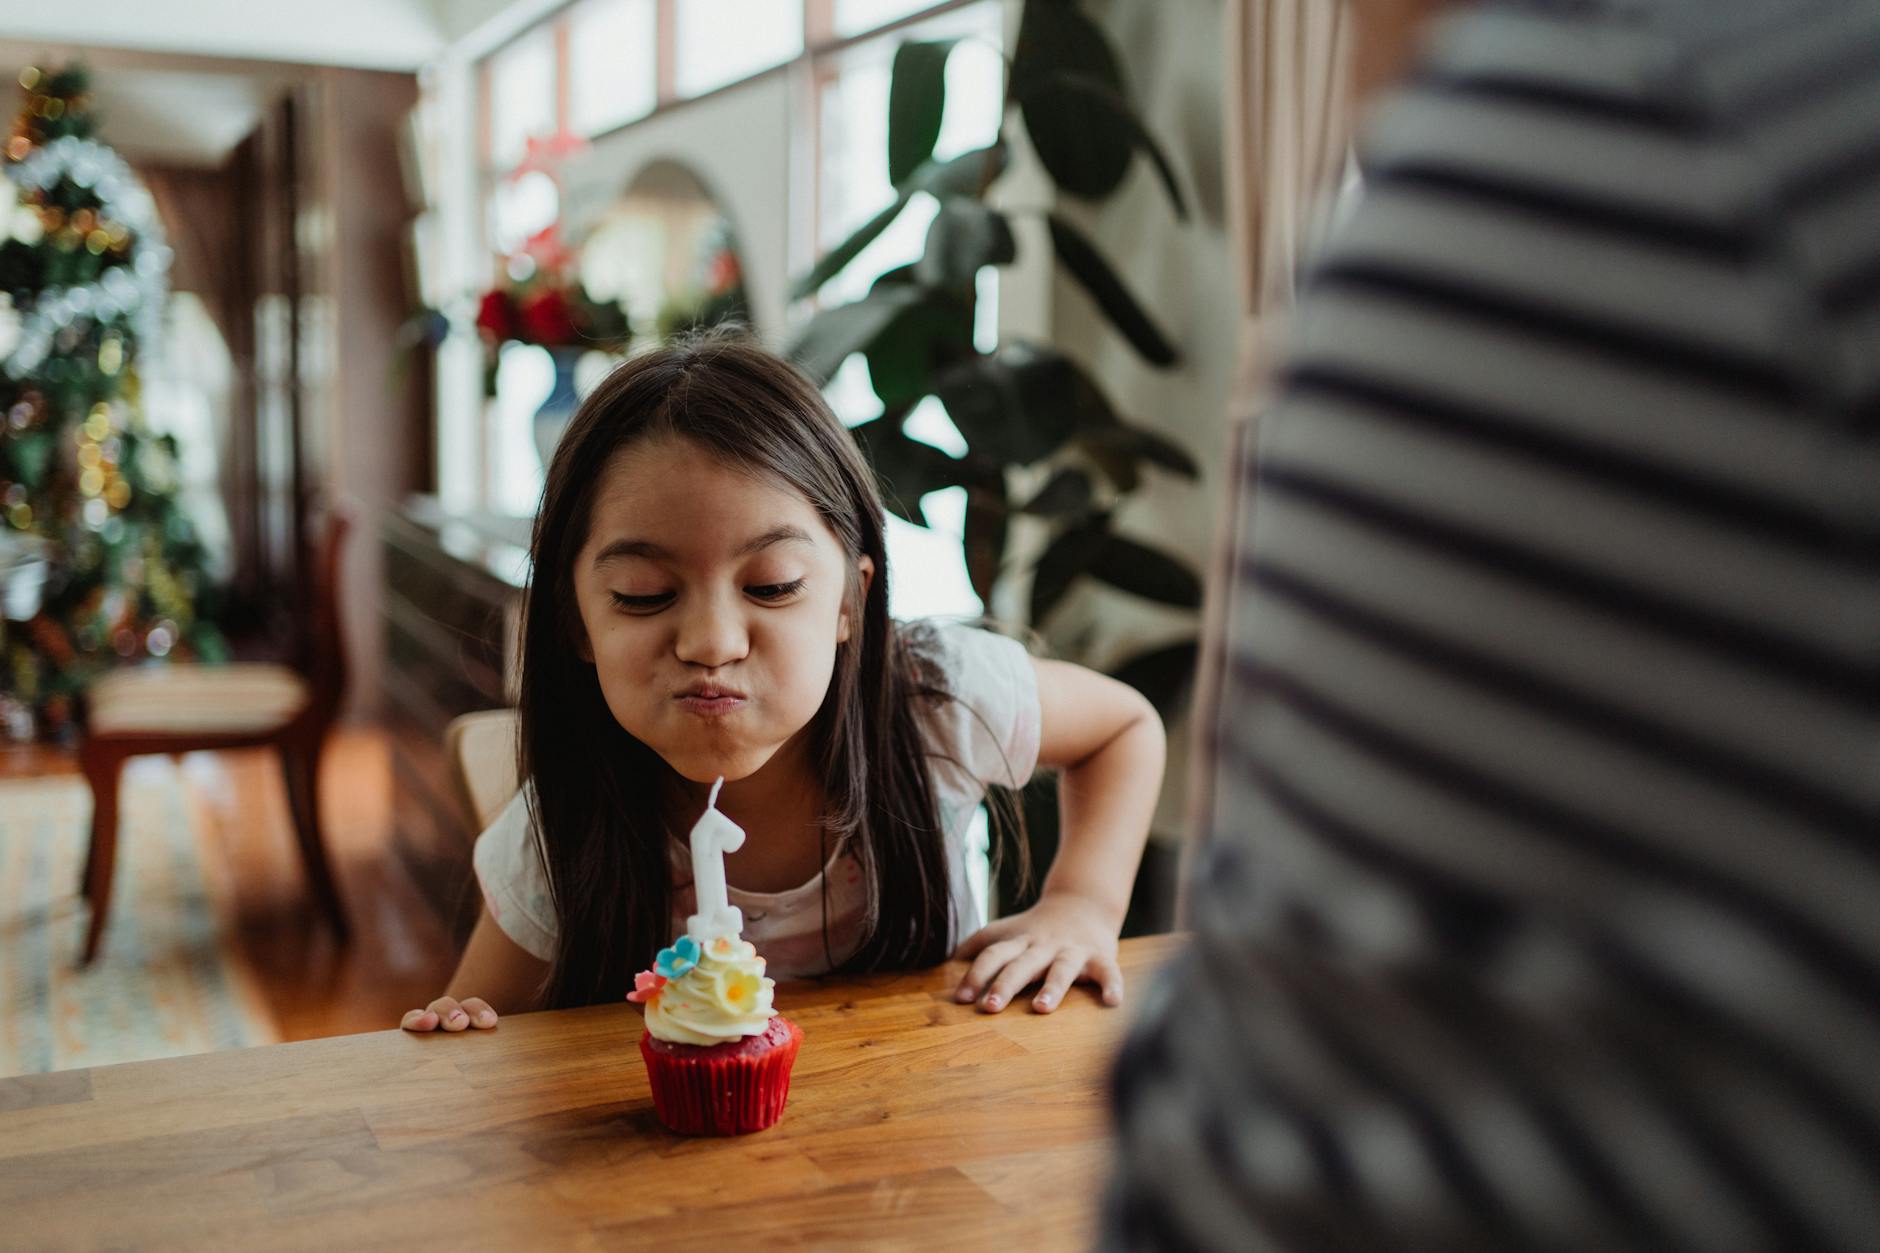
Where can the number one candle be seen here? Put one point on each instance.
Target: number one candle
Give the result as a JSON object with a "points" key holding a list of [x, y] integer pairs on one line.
{"points": [[713, 835]]}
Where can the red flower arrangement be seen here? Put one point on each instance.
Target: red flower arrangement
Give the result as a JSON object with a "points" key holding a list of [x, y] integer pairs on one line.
{"points": [[549, 308]]}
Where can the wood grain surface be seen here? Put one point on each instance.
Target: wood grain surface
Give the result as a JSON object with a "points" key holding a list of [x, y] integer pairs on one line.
{"points": [[913, 1122]]}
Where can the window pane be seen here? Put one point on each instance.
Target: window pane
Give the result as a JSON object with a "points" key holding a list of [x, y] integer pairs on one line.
{"points": [[855, 16], [613, 54], [522, 96], [721, 41]]}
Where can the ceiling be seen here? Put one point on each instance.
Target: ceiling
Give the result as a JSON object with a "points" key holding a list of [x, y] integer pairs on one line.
{"points": [[182, 81], [369, 34]]}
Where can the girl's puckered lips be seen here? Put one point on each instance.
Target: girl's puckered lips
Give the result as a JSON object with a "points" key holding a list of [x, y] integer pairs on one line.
{"points": [[710, 699]]}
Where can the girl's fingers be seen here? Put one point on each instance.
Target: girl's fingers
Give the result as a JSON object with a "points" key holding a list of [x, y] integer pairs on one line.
{"points": [[1018, 972], [976, 943], [1108, 977], [1064, 972], [419, 1020], [449, 1013], [481, 1015], [987, 964]]}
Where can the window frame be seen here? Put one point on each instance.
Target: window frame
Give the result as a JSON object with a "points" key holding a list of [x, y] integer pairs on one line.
{"points": [[820, 42]]}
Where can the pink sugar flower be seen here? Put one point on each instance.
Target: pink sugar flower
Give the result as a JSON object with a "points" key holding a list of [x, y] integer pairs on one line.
{"points": [[646, 986]]}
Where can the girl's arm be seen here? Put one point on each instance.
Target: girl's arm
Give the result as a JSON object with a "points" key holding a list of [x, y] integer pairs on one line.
{"points": [[1109, 742], [498, 970]]}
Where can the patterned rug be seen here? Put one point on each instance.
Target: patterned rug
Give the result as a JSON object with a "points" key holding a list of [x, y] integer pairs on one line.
{"points": [[165, 983]]}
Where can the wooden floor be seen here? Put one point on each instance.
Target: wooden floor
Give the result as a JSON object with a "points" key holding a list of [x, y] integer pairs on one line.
{"points": [[399, 956]]}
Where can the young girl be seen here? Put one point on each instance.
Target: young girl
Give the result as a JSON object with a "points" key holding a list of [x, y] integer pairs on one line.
{"points": [[710, 597]]}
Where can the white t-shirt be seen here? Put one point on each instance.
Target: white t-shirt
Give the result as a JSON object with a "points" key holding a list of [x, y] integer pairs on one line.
{"points": [[989, 731]]}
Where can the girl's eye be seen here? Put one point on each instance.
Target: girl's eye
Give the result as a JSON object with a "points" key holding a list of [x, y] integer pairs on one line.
{"points": [[775, 591], [641, 604]]}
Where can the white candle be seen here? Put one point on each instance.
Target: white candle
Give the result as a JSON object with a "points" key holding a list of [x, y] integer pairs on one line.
{"points": [[713, 835]]}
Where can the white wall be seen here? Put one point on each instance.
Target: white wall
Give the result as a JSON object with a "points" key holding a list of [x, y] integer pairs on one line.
{"points": [[738, 143], [367, 454], [1172, 62]]}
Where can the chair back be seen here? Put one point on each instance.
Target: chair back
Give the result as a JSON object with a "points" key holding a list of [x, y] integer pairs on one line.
{"points": [[482, 750]]}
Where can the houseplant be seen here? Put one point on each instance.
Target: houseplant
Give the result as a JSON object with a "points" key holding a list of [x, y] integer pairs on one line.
{"points": [[1043, 440], [1029, 412]]}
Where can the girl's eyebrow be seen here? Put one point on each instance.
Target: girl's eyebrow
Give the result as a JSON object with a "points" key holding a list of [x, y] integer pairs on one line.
{"points": [[786, 534]]}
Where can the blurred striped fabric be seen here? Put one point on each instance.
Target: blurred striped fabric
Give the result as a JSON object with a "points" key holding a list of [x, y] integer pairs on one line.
{"points": [[1541, 908]]}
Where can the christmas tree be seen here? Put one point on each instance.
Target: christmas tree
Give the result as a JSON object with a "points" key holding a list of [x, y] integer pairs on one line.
{"points": [[83, 265]]}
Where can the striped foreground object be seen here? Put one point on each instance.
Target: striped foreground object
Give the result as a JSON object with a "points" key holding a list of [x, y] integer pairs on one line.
{"points": [[1541, 908]]}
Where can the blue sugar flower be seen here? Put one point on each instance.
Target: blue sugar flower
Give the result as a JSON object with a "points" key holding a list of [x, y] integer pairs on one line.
{"points": [[681, 957]]}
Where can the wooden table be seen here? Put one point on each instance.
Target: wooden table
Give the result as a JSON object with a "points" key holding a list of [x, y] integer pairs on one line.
{"points": [[913, 1122]]}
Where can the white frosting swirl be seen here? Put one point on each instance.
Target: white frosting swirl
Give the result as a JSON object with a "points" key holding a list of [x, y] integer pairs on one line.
{"points": [[725, 997]]}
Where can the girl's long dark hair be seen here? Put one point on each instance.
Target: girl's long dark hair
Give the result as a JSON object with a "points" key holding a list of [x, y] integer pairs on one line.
{"points": [[597, 811]]}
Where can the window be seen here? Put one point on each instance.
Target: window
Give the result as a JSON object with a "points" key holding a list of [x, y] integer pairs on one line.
{"points": [[595, 66], [852, 110], [720, 41], [853, 186], [522, 96], [613, 63]]}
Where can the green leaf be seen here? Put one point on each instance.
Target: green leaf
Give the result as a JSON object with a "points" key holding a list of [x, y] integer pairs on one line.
{"points": [[925, 338], [832, 335], [968, 174], [1105, 109], [1094, 274], [988, 519], [1164, 675], [1055, 39], [1140, 445], [1017, 406], [838, 257], [906, 469], [1066, 557], [1145, 572], [917, 95], [1069, 491], [965, 236]]}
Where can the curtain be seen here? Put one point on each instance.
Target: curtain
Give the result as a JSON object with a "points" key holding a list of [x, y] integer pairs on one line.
{"points": [[1287, 131]]}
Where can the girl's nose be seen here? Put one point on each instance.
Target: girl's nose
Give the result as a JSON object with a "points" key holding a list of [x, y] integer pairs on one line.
{"points": [[712, 634]]}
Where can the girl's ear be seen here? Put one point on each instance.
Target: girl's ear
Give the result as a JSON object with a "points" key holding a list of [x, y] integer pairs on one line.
{"points": [[866, 565]]}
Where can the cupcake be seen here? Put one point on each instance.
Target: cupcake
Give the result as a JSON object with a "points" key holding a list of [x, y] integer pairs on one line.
{"points": [[717, 1053]]}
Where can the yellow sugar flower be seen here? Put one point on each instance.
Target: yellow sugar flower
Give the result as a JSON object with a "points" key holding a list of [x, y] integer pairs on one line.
{"points": [[737, 991]]}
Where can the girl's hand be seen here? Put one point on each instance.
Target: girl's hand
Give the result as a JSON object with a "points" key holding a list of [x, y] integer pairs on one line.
{"points": [[1064, 937], [451, 1015]]}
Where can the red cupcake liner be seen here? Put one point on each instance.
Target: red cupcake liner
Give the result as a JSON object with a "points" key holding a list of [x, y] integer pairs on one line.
{"points": [[722, 1089]]}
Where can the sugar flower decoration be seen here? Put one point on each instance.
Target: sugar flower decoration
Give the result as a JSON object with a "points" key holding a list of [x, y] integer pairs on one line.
{"points": [[646, 986], [737, 991], [681, 957]]}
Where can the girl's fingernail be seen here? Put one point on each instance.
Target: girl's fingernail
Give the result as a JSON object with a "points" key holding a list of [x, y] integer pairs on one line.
{"points": [[1043, 1002], [485, 1018], [992, 1002], [457, 1015], [963, 995]]}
